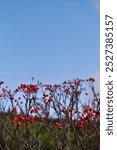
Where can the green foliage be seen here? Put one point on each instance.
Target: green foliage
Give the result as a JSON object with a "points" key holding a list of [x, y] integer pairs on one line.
{"points": [[39, 137]]}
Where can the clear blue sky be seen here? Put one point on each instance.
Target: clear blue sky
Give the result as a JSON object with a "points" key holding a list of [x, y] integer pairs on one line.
{"points": [[51, 40]]}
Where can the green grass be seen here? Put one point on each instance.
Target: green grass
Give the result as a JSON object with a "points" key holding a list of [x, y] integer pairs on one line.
{"points": [[40, 138]]}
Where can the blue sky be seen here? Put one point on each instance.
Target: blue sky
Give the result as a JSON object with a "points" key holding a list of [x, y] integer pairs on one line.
{"points": [[50, 40]]}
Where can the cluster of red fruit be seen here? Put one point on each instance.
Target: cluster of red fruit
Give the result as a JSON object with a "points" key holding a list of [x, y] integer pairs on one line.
{"points": [[90, 79], [88, 113], [20, 119], [1, 82], [31, 88]]}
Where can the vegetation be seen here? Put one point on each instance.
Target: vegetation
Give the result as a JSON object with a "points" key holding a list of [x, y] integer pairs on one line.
{"points": [[50, 117]]}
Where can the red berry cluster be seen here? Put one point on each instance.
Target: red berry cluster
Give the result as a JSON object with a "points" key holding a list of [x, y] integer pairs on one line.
{"points": [[31, 88], [18, 120], [58, 125], [91, 79], [1, 82], [88, 114]]}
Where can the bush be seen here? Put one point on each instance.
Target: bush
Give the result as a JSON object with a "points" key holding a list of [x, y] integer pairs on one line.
{"points": [[50, 117]]}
